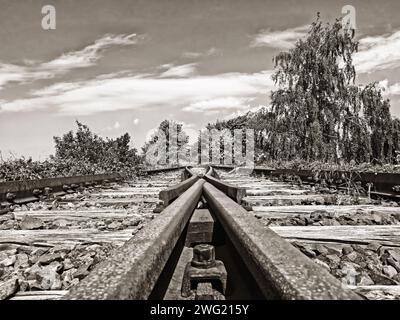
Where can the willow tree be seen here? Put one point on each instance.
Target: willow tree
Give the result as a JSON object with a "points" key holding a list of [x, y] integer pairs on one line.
{"points": [[318, 112], [314, 79]]}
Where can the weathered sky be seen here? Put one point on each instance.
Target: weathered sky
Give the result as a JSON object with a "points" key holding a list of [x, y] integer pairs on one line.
{"points": [[124, 66]]}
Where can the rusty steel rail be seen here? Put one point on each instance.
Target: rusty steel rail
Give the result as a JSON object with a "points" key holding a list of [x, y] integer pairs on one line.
{"points": [[168, 195], [132, 271], [158, 170], [234, 192], [187, 173], [256, 169], [281, 271], [21, 189]]}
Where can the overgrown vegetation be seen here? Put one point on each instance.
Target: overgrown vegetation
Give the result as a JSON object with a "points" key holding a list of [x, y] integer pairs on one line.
{"points": [[77, 153], [318, 114]]}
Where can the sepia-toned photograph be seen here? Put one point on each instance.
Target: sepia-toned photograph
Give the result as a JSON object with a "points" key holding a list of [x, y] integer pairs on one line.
{"points": [[199, 156]]}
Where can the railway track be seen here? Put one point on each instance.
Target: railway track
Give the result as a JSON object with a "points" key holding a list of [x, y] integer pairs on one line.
{"points": [[48, 243], [204, 245], [216, 235]]}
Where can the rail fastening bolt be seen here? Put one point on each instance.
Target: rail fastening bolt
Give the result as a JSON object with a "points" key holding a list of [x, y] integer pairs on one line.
{"points": [[203, 256]]}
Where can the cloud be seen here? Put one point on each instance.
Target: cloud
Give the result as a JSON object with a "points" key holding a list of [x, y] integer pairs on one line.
{"points": [[378, 53], [210, 52], [395, 89], [55, 89], [10, 73], [279, 39], [90, 54], [133, 92], [388, 90], [86, 57], [179, 71], [113, 127], [218, 104], [191, 54], [116, 125], [213, 51]]}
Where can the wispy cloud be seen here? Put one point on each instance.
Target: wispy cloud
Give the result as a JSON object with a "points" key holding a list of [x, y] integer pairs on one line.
{"points": [[210, 52], [280, 39], [395, 89], [90, 54], [117, 125], [10, 73], [229, 90], [111, 128], [378, 53], [191, 54], [179, 71], [389, 90], [86, 57], [213, 51], [218, 104]]}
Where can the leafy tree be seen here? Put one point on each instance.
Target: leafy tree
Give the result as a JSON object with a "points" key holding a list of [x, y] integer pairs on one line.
{"points": [[314, 79], [154, 146]]}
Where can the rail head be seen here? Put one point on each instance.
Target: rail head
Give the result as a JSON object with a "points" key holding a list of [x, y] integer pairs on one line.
{"points": [[132, 270], [210, 171], [280, 269], [170, 194], [234, 192], [165, 169], [187, 173]]}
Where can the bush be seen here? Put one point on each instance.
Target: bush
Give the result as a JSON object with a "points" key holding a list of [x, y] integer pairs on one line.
{"points": [[79, 153], [86, 153]]}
